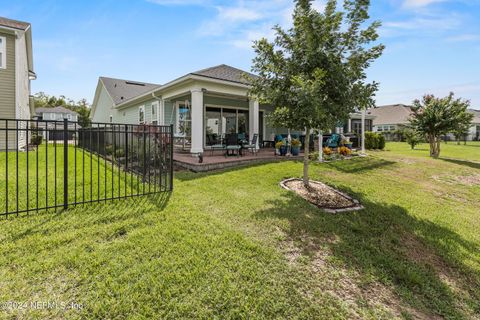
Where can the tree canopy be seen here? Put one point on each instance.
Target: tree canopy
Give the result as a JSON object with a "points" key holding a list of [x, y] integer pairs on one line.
{"points": [[434, 117], [315, 72]]}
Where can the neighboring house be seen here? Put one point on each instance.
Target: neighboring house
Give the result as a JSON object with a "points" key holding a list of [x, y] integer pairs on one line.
{"points": [[201, 105], [475, 128], [16, 71], [354, 124], [52, 116], [390, 118]]}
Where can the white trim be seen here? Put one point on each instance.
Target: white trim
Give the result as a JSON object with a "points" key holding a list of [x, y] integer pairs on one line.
{"points": [[154, 111], [3, 50], [142, 109]]}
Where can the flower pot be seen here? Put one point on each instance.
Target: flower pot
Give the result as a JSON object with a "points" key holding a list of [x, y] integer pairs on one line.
{"points": [[295, 151], [283, 150]]}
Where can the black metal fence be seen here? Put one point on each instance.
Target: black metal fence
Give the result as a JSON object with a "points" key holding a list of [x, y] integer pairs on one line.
{"points": [[105, 161]]}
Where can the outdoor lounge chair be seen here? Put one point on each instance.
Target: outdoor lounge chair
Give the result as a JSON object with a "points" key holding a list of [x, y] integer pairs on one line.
{"points": [[253, 145], [232, 147], [333, 141]]}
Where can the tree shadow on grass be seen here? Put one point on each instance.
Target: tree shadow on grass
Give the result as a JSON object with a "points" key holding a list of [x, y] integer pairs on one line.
{"points": [[471, 164], [90, 214], [359, 165], [409, 255]]}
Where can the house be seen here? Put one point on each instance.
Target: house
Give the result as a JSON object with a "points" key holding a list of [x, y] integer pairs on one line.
{"points": [[390, 118], [201, 105], [474, 133], [16, 72], [49, 123]]}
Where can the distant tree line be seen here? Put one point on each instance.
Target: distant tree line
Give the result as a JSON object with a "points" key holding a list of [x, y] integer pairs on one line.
{"points": [[82, 107]]}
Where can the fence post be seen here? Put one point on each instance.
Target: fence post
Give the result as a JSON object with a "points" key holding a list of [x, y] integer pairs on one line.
{"points": [[144, 154], [126, 147], [65, 163], [171, 157]]}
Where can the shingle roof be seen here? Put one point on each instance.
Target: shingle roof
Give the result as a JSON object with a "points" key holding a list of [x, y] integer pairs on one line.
{"points": [[59, 109], [124, 90], [476, 113], [391, 114], [226, 73], [13, 23]]}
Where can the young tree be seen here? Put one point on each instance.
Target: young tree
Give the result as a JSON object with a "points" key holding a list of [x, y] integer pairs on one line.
{"points": [[434, 117], [314, 73], [412, 137]]}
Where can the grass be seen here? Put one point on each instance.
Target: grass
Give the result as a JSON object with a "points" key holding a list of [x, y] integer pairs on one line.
{"points": [[233, 244]]}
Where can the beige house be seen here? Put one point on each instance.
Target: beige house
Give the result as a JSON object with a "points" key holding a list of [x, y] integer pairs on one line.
{"points": [[390, 118], [16, 72]]}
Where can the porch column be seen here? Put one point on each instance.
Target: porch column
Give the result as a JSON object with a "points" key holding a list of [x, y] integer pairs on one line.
{"points": [[253, 117], [197, 121], [349, 125]]}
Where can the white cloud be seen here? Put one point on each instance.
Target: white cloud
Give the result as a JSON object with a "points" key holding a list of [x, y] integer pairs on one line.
{"points": [[180, 2], [419, 3], [467, 37]]}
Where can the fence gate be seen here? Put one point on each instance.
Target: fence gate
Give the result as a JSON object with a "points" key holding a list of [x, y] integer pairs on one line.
{"points": [[56, 164]]}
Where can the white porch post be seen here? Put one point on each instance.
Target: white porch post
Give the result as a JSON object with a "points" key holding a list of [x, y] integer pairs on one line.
{"points": [[363, 130], [320, 145], [349, 125], [253, 117], [197, 121]]}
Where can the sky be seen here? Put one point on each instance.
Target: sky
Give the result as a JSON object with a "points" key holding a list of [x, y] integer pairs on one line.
{"points": [[432, 46]]}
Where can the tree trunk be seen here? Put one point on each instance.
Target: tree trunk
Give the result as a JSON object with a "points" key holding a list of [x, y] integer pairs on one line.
{"points": [[434, 146], [306, 179]]}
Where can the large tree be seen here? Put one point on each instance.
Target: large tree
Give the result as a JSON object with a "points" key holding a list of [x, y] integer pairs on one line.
{"points": [[434, 117], [314, 72]]}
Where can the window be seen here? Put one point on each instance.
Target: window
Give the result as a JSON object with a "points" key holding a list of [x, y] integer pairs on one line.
{"points": [[141, 114], [3, 53], [69, 116], [379, 128], [154, 106]]}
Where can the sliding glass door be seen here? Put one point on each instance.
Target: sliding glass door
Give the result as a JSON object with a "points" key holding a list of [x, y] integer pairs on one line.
{"points": [[220, 121]]}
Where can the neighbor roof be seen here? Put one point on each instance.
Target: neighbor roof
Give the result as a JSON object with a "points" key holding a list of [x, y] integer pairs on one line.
{"points": [[391, 114], [5, 22], [124, 90], [54, 110], [476, 113], [226, 73]]}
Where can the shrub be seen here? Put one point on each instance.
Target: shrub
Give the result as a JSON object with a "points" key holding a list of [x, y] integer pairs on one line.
{"points": [[108, 149], [412, 137], [374, 141], [119, 153], [36, 140], [344, 151], [380, 142], [327, 151]]}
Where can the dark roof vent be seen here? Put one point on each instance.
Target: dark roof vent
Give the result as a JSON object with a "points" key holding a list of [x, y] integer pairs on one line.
{"points": [[121, 98], [135, 83]]}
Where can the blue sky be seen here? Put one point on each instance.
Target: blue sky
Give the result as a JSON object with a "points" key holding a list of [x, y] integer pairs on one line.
{"points": [[433, 46]]}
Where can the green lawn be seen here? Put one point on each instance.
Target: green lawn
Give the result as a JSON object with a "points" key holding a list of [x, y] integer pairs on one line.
{"points": [[234, 244]]}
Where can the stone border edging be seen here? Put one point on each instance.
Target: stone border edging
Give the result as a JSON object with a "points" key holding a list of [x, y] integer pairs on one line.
{"points": [[356, 207]]}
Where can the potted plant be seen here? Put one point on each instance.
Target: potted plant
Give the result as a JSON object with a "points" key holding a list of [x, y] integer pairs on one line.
{"points": [[281, 148], [346, 142], [295, 147]]}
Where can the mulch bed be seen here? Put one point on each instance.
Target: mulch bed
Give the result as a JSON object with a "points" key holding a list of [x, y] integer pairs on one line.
{"points": [[322, 196]]}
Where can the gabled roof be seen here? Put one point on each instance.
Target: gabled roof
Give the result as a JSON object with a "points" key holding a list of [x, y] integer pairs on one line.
{"points": [[15, 24], [124, 90], [226, 73], [391, 114], [476, 113], [58, 109]]}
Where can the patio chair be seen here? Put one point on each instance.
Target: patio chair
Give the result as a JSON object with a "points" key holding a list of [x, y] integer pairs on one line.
{"points": [[252, 147], [333, 141], [232, 147], [242, 138]]}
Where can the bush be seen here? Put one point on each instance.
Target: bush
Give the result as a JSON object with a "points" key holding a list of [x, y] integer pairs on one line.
{"points": [[119, 153], [327, 151], [108, 149], [411, 137], [344, 151], [381, 142], [36, 140], [374, 141]]}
